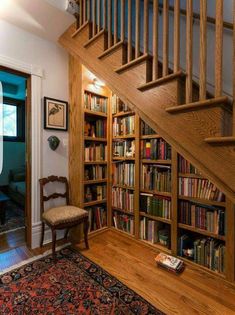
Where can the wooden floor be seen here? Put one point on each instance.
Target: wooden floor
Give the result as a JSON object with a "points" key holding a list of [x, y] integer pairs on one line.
{"points": [[12, 240], [132, 263]]}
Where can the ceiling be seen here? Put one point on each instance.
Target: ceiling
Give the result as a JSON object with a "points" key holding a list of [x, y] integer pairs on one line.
{"points": [[44, 18]]}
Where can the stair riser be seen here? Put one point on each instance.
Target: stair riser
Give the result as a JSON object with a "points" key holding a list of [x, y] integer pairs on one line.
{"points": [[116, 59], [138, 74]]}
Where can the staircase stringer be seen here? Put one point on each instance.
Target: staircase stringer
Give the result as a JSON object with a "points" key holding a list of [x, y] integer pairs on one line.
{"points": [[207, 159]]}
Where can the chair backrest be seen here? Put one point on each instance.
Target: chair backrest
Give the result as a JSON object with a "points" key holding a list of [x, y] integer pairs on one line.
{"points": [[53, 179]]}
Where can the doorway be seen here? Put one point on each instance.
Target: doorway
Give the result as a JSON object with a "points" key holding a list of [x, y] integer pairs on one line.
{"points": [[15, 178]]}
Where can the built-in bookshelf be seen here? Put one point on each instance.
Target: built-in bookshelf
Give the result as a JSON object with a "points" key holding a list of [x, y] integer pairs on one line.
{"points": [[124, 167], [134, 182], [95, 146]]}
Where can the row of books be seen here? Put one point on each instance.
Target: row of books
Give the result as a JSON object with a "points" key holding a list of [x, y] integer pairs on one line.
{"points": [[95, 152], [123, 199], [95, 103], [206, 218], [123, 173], [156, 177], [186, 167], [155, 205], [124, 148], [123, 222], [145, 130], [199, 188], [93, 172], [117, 105], [123, 126], [151, 231], [95, 192], [96, 128], [155, 149], [97, 217], [207, 252]]}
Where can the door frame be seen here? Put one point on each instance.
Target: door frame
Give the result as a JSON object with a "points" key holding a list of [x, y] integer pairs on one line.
{"points": [[33, 138]]}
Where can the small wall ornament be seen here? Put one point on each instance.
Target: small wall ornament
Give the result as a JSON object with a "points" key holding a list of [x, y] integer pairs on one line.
{"points": [[53, 142]]}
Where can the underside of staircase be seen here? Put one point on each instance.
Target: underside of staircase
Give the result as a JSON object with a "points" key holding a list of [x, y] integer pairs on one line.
{"points": [[191, 128]]}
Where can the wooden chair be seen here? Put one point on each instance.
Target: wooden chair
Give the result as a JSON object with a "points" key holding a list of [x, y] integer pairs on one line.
{"points": [[62, 217]]}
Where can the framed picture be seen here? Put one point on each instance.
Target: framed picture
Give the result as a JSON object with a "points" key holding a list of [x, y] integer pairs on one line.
{"points": [[55, 114]]}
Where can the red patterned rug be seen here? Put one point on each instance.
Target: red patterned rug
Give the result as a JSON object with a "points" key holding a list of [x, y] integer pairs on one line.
{"points": [[74, 285]]}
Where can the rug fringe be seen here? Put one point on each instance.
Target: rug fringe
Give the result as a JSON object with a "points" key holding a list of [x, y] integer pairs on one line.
{"points": [[29, 260]]}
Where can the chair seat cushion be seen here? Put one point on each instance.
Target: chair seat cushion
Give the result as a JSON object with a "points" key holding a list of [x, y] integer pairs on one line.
{"points": [[65, 214]]}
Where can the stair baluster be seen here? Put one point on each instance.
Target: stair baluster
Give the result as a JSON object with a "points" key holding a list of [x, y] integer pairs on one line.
{"points": [[189, 52], [137, 28], [203, 49], [129, 43], [165, 52], [146, 26], [155, 40]]}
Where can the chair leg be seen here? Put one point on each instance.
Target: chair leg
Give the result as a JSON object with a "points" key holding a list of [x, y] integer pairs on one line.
{"points": [[53, 243], [66, 234], [42, 235], [85, 230]]}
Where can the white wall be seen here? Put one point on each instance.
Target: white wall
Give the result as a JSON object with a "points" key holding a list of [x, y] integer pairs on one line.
{"points": [[25, 47]]}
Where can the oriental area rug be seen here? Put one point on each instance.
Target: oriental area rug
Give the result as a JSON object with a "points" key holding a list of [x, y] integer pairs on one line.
{"points": [[74, 285]]}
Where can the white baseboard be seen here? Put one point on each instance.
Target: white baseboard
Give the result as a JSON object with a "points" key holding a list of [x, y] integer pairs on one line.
{"points": [[36, 235]]}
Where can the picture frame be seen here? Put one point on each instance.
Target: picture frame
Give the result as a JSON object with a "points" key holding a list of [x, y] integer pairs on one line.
{"points": [[55, 114]]}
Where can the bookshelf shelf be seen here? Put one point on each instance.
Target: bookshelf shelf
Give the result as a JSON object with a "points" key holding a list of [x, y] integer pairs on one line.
{"points": [[123, 114], [123, 187], [203, 201], [123, 211], [94, 202], [124, 137], [123, 159], [188, 175], [95, 139], [95, 181], [93, 113], [164, 162], [146, 137], [95, 162], [200, 231], [153, 217], [155, 192]]}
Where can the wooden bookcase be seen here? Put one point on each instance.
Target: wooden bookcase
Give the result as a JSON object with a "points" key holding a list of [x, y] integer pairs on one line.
{"points": [[170, 223]]}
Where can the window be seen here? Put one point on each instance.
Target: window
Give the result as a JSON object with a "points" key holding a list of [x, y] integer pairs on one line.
{"points": [[13, 120]]}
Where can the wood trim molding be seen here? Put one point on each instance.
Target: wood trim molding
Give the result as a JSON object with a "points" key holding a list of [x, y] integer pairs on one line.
{"points": [[35, 143]]}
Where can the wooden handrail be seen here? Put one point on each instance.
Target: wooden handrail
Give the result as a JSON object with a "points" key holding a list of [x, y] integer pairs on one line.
{"points": [[196, 16]]}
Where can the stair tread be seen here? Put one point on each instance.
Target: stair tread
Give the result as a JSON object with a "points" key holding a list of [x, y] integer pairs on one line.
{"points": [[91, 40], [160, 81], [219, 101], [221, 140], [111, 49], [80, 29], [134, 63]]}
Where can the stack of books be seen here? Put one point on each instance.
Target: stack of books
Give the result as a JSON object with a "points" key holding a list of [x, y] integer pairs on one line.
{"points": [[95, 128], [124, 174], [95, 152], [95, 103], [199, 188], [97, 218], [186, 167], [207, 218], [169, 263], [95, 192], [124, 148], [124, 126], [145, 130], [156, 177], [123, 222], [118, 106], [93, 172], [123, 199], [155, 205], [155, 149]]}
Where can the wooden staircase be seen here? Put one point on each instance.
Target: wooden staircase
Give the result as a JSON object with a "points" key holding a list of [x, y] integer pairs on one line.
{"points": [[197, 124]]}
